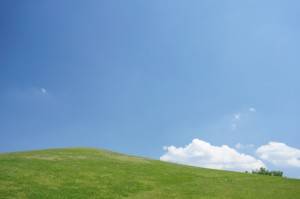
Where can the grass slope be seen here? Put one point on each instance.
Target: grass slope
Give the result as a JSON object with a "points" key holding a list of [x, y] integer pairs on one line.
{"points": [[90, 173]]}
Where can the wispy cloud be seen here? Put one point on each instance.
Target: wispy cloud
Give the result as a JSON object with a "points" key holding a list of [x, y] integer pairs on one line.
{"points": [[233, 126], [244, 146], [235, 120], [31, 94], [44, 91], [252, 109], [238, 117]]}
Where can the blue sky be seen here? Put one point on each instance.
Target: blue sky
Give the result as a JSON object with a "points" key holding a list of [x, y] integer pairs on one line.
{"points": [[135, 76]]}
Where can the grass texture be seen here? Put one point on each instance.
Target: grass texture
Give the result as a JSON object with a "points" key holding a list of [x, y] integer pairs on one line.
{"points": [[92, 173]]}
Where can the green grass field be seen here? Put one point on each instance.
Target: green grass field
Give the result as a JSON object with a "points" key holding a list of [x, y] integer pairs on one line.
{"points": [[91, 173]]}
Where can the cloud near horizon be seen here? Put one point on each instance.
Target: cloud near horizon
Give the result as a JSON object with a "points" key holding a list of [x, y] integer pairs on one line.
{"points": [[203, 154], [279, 154], [244, 146]]}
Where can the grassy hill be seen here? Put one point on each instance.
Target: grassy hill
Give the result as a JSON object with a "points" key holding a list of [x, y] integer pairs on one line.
{"points": [[90, 173]]}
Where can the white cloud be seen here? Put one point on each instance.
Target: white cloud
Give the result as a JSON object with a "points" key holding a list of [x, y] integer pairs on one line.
{"points": [[279, 154], [203, 154], [252, 109]]}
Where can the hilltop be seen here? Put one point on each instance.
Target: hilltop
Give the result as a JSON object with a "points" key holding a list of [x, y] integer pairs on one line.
{"points": [[92, 173]]}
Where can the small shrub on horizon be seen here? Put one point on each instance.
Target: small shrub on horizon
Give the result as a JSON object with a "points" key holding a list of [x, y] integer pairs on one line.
{"points": [[264, 171]]}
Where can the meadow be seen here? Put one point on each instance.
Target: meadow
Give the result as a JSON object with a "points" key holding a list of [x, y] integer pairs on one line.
{"points": [[93, 173]]}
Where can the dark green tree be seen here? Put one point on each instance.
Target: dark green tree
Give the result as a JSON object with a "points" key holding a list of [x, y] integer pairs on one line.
{"points": [[264, 171]]}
